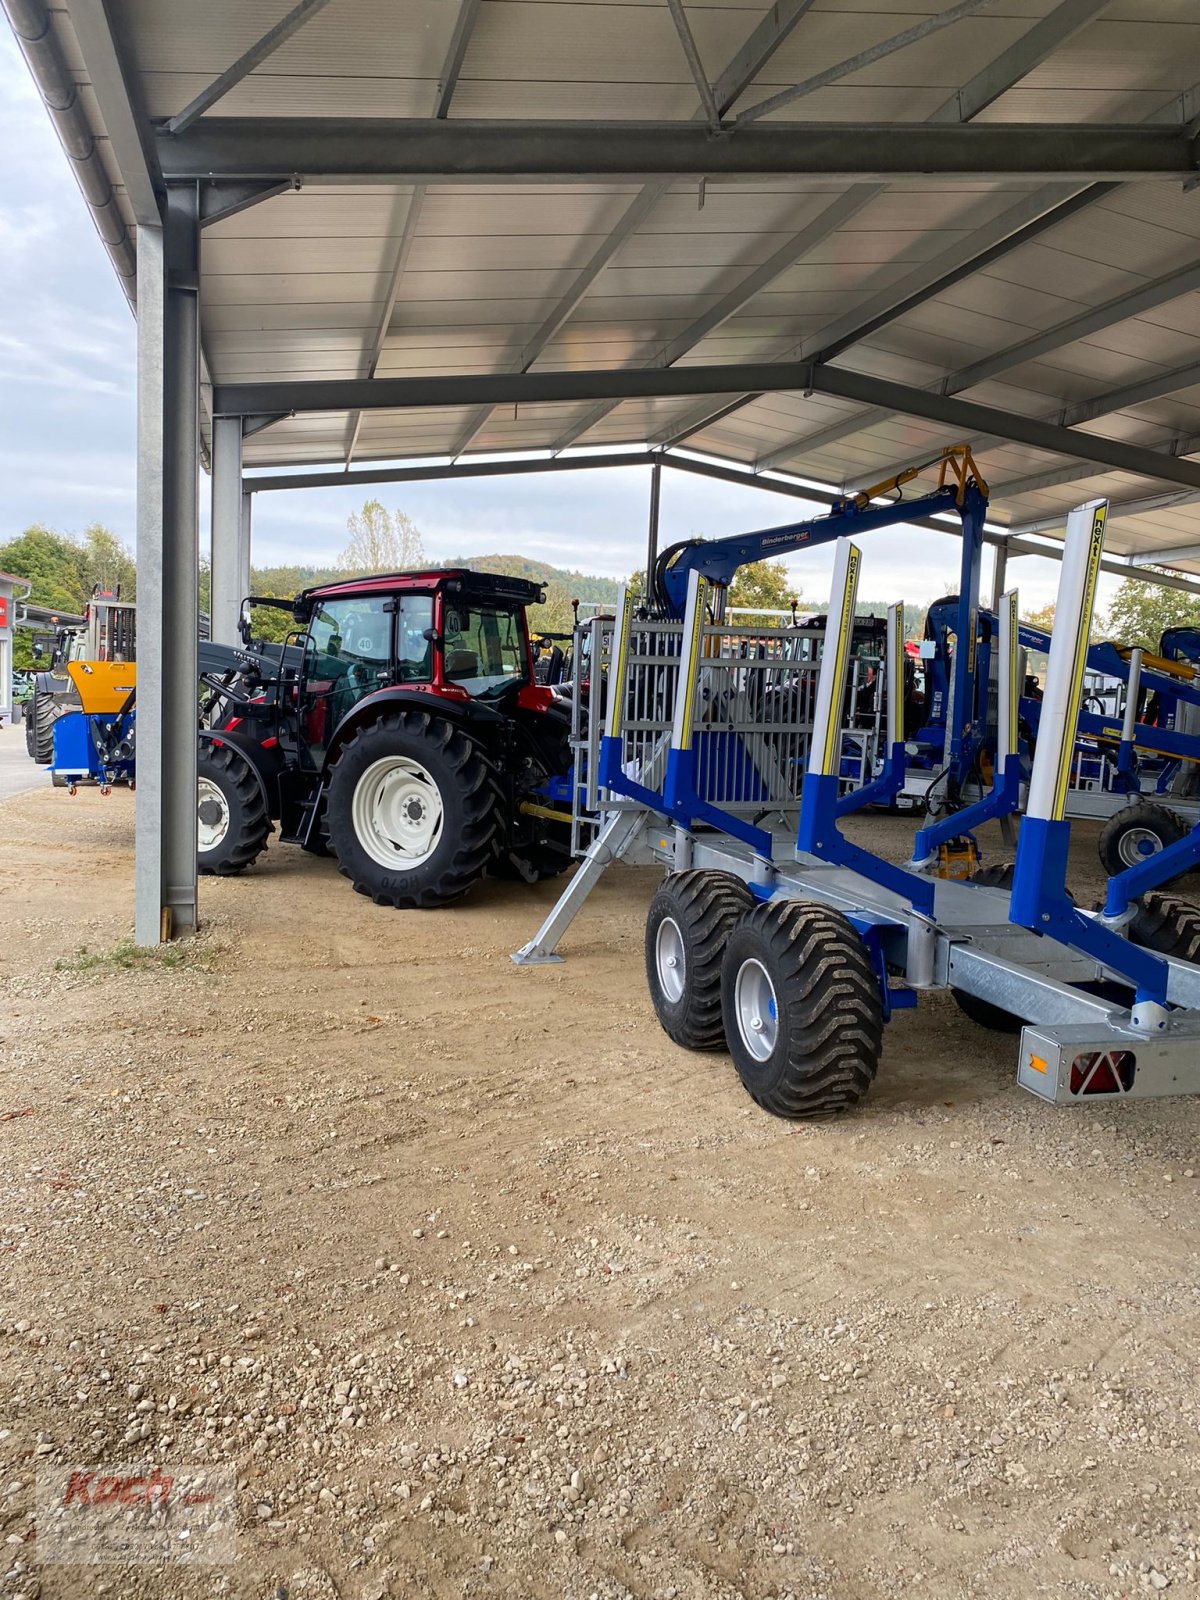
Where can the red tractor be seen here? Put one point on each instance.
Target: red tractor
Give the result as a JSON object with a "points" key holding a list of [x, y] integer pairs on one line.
{"points": [[399, 728]]}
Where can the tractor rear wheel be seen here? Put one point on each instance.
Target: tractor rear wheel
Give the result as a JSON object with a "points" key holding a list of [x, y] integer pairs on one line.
{"points": [[413, 811], [232, 825], [803, 1012], [43, 712], [689, 922], [1167, 925]]}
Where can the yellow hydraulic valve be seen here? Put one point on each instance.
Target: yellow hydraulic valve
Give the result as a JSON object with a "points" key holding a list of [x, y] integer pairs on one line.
{"points": [[103, 686]]}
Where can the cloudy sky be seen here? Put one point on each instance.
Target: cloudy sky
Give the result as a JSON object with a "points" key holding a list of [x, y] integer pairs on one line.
{"points": [[67, 426]]}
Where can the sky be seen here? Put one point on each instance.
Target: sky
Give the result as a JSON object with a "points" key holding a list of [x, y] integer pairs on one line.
{"points": [[68, 426]]}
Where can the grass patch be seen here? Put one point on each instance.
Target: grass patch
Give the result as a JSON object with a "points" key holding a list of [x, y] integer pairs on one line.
{"points": [[125, 956]]}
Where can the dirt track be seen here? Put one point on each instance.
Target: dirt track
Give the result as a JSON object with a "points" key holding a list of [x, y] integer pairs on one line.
{"points": [[487, 1289]]}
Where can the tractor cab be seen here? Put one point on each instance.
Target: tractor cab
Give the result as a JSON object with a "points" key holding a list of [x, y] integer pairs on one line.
{"points": [[407, 735]]}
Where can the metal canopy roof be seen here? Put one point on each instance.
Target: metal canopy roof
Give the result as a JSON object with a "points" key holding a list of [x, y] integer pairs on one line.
{"points": [[896, 222]]}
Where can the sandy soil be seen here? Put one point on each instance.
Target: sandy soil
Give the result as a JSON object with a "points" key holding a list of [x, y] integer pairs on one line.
{"points": [[486, 1289]]}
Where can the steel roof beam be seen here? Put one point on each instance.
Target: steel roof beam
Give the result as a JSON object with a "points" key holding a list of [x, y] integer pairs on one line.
{"points": [[1019, 60], [1031, 216], [623, 383], [1101, 405], [412, 217], [464, 26], [1171, 286], [257, 483], [767, 36], [1183, 445], [691, 54], [126, 131], [1182, 552], [367, 149], [795, 249], [864, 58], [245, 64]]}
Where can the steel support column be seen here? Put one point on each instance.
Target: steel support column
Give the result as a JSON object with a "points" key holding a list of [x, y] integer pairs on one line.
{"points": [[227, 588], [652, 529], [244, 533], [168, 562]]}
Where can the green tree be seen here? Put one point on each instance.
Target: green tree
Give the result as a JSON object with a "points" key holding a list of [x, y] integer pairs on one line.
{"points": [[1141, 611], [381, 541], [106, 561], [52, 563], [1042, 618], [763, 586]]}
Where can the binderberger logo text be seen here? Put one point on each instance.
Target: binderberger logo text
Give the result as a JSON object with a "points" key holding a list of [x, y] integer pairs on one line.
{"points": [[136, 1512]]}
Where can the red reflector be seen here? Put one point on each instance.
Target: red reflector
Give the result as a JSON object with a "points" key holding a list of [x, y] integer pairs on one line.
{"points": [[269, 744], [232, 724]]}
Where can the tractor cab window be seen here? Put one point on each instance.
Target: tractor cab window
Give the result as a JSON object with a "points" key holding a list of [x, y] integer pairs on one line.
{"points": [[348, 654], [414, 651], [484, 647]]}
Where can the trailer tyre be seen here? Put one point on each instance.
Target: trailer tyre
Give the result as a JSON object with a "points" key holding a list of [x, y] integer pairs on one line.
{"points": [[413, 811], [1136, 833], [232, 825], [803, 1013], [689, 922], [1169, 926]]}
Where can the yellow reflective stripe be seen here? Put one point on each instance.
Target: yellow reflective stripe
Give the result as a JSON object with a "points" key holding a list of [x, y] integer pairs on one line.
{"points": [[833, 734], [1014, 655], [693, 677], [1084, 620], [896, 704]]}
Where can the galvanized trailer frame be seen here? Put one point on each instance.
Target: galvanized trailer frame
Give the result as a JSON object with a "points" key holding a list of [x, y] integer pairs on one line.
{"points": [[1104, 1018]]}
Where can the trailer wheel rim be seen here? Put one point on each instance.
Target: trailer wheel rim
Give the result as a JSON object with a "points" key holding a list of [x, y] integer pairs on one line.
{"points": [[756, 1009], [1136, 844], [212, 815], [670, 960], [397, 813]]}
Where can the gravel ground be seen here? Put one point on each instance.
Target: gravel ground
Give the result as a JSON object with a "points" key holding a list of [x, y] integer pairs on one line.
{"points": [[483, 1288]]}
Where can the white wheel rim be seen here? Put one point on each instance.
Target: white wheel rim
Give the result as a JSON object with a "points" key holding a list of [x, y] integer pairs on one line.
{"points": [[211, 824], [669, 959], [397, 813], [1136, 844], [756, 1009]]}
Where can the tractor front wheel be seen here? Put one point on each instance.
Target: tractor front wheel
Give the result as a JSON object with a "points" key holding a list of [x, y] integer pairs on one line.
{"points": [[232, 824], [413, 811]]}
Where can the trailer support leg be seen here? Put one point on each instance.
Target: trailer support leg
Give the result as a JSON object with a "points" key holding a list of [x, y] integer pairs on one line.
{"points": [[608, 846]]}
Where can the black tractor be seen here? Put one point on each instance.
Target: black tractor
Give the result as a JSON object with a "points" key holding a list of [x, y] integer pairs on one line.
{"points": [[399, 728]]}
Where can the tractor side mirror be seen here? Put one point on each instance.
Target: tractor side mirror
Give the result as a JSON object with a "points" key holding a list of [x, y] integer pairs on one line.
{"points": [[432, 636], [244, 629]]}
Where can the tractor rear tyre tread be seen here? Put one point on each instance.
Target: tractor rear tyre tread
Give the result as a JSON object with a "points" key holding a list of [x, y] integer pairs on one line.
{"points": [[829, 1012], [245, 838], [998, 875], [1169, 926], [1166, 825], [472, 810], [705, 907], [44, 712]]}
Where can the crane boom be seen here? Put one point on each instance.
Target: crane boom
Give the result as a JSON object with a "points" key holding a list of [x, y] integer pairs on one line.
{"points": [[960, 488]]}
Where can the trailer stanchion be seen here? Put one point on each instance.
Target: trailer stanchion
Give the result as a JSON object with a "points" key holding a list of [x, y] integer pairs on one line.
{"points": [[818, 835], [884, 788], [1005, 798], [1040, 900]]}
